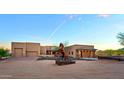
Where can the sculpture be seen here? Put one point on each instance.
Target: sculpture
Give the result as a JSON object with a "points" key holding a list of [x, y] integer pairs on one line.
{"points": [[61, 51], [62, 58]]}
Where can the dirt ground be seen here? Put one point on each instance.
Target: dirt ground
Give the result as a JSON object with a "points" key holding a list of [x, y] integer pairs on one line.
{"points": [[30, 68]]}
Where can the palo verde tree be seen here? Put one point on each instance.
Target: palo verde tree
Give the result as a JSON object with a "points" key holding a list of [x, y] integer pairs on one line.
{"points": [[120, 36], [56, 47], [65, 43]]}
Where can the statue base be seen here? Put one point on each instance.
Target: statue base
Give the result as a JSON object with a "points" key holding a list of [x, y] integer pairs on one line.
{"points": [[60, 61]]}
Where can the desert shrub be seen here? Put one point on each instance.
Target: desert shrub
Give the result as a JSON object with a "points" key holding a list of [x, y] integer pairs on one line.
{"points": [[110, 52], [4, 52]]}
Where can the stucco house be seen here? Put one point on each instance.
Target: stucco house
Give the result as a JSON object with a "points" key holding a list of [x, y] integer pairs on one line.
{"points": [[26, 49], [81, 51]]}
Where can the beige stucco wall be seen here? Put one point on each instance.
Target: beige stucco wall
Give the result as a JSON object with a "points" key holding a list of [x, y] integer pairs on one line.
{"points": [[43, 49], [32, 47], [74, 47], [16, 45]]}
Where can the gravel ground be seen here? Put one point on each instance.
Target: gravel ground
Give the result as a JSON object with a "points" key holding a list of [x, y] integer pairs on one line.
{"points": [[30, 68]]}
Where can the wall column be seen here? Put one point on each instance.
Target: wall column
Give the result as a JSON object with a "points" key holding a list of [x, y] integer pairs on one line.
{"points": [[88, 53], [51, 53], [93, 54], [78, 54]]}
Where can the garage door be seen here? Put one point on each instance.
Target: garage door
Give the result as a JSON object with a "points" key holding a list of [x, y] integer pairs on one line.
{"points": [[18, 52], [32, 53]]}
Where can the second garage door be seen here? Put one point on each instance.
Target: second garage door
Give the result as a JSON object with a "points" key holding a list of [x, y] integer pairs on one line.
{"points": [[32, 53]]}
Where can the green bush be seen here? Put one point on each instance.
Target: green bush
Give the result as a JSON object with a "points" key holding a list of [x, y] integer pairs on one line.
{"points": [[110, 52], [4, 52]]}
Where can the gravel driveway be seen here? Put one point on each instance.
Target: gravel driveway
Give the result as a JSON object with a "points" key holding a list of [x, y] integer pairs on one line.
{"points": [[30, 68]]}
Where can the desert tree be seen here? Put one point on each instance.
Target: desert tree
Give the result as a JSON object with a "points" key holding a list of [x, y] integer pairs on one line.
{"points": [[4, 52], [120, 36]]}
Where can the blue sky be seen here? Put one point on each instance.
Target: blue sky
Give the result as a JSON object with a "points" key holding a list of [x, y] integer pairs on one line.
{"points": [[51, 29]]}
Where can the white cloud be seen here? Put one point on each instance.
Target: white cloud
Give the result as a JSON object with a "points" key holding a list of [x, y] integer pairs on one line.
{"points": [[71, 16], [104, 15]]}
